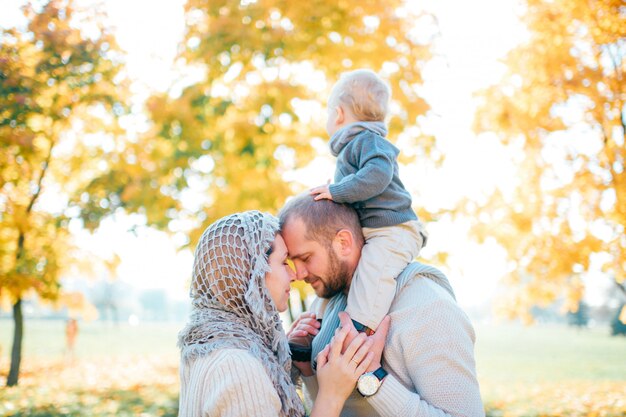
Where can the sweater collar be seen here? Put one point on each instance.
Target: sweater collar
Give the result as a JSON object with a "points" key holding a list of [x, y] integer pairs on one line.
{"points": [[348, 132]]}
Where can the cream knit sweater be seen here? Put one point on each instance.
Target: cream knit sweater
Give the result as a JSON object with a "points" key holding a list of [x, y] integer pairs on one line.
{"points": [[429, 355], [226, 383]]}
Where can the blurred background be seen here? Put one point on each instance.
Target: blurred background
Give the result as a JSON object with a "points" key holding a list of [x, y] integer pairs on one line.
{"points": [[128, 126]]}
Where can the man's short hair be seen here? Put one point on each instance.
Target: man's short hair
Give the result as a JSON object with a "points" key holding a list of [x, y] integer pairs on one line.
{"points": [[323, 218], [363, 93]]}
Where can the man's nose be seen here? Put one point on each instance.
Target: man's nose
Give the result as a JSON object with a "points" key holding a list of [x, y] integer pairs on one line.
{"points": [[301, 271]]}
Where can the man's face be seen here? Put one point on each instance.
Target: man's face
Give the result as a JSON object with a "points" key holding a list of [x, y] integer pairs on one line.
{"points": [[316, 264]]}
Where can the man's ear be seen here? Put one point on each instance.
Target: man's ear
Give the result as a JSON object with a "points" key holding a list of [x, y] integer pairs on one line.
{"points": [[344, 242]]}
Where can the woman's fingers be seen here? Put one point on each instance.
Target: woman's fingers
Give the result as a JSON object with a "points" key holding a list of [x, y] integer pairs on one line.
{"points": [[304, 331], [303, 316], [346, 322], [309, 327], [365, 363], [304, 325], [310, 321], [361, 352], [293, 325], [336, 344], [306, 315], [322, 357], [354, 345]]}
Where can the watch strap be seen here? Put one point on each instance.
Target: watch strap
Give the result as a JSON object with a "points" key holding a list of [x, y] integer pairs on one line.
{"points": [[361, 328], [380, 373]]}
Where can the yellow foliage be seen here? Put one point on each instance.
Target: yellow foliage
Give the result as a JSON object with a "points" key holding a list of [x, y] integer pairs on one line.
{"points": [[563, 94], [304, 289], [52, 77], [6, 302], [77, 305], [246, 115]]}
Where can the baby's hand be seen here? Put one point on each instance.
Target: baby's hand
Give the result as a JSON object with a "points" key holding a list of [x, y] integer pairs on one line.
{"points": [[321, 192]]}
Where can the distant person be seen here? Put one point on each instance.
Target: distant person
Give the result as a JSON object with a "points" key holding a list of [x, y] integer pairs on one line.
{"points": [[71, 333], [235, 359], [367, 177]]}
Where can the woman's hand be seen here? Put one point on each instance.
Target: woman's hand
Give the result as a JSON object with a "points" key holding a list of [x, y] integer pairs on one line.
{"points": [[378, 339], [304, 327], [337, 372]]}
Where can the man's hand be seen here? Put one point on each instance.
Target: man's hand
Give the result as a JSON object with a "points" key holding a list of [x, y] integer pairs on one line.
{"points": [[321, 192], [378, 339]]}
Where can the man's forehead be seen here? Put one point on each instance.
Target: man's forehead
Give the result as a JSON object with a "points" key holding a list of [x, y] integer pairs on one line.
{"points": [[296, 237], [295, 227]]}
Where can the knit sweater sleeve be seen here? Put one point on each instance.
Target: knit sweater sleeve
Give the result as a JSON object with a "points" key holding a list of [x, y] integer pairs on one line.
{"points": [[375, 161], [438, 354], [238, 386]]}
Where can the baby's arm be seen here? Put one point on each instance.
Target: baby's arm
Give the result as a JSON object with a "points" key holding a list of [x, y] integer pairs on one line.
{"points": [[373, 177]]}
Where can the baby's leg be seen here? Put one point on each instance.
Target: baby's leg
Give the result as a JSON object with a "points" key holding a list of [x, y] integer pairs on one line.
{"points": [[387, 251]]}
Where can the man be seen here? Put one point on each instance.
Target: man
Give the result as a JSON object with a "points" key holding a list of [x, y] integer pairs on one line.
{"points": [[428, 366]]}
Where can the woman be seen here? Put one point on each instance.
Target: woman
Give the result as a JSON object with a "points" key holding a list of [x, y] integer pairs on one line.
{"points": [[235, 358]]}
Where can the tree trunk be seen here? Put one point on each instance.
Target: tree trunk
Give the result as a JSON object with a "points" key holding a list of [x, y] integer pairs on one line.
{"points": [[16, 352], [621, 287]]}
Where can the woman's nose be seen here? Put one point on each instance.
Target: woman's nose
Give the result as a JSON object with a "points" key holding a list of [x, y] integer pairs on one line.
{"points": [[292, 275]]}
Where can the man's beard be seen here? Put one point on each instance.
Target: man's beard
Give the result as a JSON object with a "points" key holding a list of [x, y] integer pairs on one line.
{"points": [[337, 276]]}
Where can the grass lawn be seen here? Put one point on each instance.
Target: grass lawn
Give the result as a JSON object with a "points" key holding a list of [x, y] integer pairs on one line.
{"points": [[551, 371], [46, 339], [128, 371], [545, 353]]}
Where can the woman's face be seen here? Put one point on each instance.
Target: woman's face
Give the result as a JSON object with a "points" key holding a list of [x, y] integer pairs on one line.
{"points": [[280, 276]]}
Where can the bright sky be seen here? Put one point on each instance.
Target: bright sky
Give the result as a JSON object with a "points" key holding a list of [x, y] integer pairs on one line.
{"points": [[474, 35]]}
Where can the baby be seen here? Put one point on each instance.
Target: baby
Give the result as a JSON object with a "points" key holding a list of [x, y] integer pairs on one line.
{"points": [[367, 178]]}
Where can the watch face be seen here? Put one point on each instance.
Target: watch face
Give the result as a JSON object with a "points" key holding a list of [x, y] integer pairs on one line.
{"points": [[368, 384]]}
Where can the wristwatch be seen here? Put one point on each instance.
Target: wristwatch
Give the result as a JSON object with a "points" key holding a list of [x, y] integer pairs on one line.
{"points": [[369, 383]]}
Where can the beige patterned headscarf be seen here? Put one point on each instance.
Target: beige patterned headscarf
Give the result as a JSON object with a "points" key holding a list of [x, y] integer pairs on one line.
{"points": [[231, 307]]}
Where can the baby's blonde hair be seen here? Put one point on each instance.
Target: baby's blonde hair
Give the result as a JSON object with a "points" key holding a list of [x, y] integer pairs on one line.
{"points": [[364, 94]]}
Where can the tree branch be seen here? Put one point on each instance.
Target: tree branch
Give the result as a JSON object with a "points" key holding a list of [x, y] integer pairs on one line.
{"points": [[44, 169]]}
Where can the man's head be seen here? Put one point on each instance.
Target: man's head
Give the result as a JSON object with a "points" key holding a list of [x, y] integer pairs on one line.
{"points": [[359, 95], [324, 240]]}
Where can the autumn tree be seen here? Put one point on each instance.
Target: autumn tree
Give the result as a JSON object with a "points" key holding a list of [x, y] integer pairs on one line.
{"points": [[61, 95], [262, 70], [618, 323], [579, 317], [560, 107]]}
